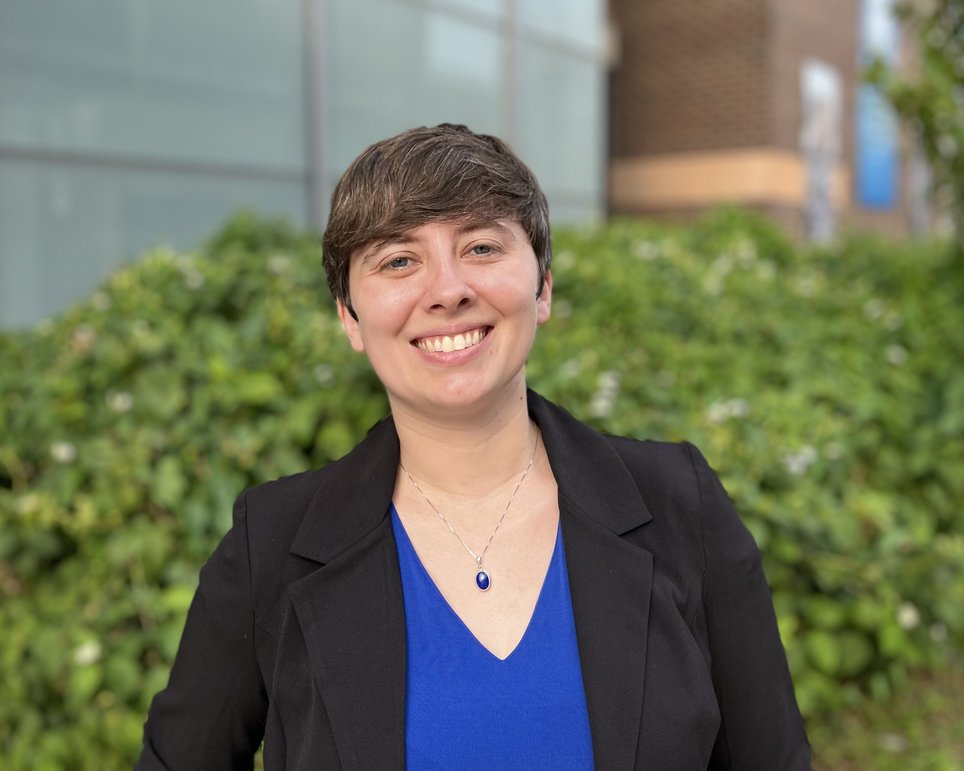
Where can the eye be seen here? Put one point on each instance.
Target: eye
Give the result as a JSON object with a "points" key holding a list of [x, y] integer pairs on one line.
{"points": [[481, 250], [397, 263]]}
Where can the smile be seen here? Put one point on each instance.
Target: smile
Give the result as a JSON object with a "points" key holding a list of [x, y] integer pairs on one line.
{"points": [[447, 343]]}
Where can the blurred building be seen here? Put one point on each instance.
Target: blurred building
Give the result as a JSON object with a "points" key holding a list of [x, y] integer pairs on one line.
{"points": [[759, 103], [125, 124]]}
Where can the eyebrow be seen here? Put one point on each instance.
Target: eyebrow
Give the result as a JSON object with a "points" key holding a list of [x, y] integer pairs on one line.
{"points": [[403, 239], [372, 249], [496, 225]]}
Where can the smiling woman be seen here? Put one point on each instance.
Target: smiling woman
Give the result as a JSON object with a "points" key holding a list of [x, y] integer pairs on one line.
{"points": [[483, 581], [447, 314]]}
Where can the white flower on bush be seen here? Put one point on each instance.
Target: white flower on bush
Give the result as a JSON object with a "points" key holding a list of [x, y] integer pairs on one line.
{"points": [[570, 368], [278, 264], [100, 301], [806, 285], [87, 653], [947, 147], [565, 260], [798, 462], [723, 409], [561, 309], [604, 399], [713, 284], [192, 277], [324, 374], [936, 37], [745, 251], [28, 504], [719, 269], [908, 617], [119, 401], [647, 251], [938, 632], [63, 452], [896, 354], [82, 338], [874, 308], [766, 270], [891, 742], [833, 451], [666, 378]]}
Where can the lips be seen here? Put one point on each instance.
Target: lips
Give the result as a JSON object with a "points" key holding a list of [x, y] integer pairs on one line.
{"points": [[448, 343]]}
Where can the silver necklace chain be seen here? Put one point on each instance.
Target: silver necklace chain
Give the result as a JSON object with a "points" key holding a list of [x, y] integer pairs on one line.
{"points": [[476, 557]]}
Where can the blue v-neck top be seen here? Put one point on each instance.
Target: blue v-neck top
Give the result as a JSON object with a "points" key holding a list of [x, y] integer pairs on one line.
{"points": [[465, 707]]}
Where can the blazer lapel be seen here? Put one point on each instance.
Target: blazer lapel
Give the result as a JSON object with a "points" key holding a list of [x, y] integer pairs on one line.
{"points": [[610, 580], [350, 610]]}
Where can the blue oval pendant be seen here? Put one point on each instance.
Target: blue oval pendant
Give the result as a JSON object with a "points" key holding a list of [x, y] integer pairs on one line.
{"points": [[482, 580]]}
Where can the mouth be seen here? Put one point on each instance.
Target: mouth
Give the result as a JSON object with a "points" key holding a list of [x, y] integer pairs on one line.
{"points": [[448, 343]]}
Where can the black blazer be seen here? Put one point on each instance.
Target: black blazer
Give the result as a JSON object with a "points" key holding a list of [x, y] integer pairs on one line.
{"points": [[297, 630]]}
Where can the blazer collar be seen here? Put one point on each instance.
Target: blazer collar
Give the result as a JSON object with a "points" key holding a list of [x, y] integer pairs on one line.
{"points": [[358, 591], [352, 498], [589, 472], [355, 492]]}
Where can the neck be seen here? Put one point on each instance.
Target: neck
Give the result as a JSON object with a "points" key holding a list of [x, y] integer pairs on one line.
{"points": [[470, 455]]}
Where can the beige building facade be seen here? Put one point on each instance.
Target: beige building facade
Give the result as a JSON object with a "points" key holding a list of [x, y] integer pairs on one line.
{"points": [[758, 103]]}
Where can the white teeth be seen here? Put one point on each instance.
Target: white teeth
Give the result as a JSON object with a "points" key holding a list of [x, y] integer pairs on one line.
{"points": [[447, 344]]}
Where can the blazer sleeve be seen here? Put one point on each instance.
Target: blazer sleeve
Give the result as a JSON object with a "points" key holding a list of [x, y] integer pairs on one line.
{"points": [[211, 716], [761, 728]]}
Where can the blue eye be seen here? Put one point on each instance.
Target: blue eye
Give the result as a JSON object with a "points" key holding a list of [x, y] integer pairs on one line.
{"points": [[481, 250], [397, 263]]}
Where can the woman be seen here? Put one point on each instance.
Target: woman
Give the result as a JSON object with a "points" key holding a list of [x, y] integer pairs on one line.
{"points": [[484, 581]]}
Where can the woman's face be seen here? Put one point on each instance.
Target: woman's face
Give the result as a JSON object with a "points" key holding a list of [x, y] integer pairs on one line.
{"points": [[447, 314]]}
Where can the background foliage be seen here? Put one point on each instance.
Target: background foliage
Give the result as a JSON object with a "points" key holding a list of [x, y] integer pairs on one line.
{"points": [[931, 98], [825, 386]]}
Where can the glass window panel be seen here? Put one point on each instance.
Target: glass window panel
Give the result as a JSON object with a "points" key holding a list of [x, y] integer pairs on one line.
{"points": [[412, 68], [66, 227], [560, 123], [492, 8], [217, 81], [576, 21]]}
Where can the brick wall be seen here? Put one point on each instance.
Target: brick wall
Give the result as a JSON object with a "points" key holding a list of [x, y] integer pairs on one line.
{"points": [[689, 75]]}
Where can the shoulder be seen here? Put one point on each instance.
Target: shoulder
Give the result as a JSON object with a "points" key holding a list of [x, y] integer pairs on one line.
{"points": [[285, 499], [661, 469], [672, 459], [282, 504], [663, 472]]}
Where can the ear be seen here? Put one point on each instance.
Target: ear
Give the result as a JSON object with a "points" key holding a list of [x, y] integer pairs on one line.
{"points": [[544, 300], [350, 324]]}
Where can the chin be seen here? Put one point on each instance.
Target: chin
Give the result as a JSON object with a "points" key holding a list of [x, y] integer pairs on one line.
{"points": [[466, 395]]}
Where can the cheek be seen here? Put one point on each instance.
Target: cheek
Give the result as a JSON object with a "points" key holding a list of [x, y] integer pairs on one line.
{"points": [[523, 305], [384, 314]]}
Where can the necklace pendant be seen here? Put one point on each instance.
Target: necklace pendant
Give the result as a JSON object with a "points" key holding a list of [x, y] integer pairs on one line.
{"points": [[482, 580]]}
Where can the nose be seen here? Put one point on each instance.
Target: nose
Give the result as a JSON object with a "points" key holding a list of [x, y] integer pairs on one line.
{"points": [[448, 287]]}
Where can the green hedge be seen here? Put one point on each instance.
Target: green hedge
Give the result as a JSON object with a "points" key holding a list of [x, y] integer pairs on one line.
{"points": [[826, 387]]}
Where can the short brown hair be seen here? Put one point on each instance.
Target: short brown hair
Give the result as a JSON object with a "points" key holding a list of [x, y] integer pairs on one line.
{"points": [[445, 173]]}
